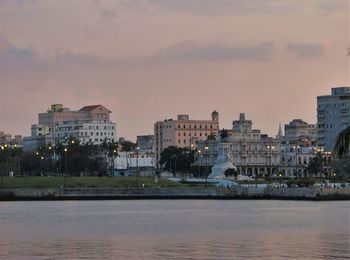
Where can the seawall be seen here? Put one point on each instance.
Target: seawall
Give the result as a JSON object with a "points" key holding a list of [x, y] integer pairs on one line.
{"points": [[175, 193]]}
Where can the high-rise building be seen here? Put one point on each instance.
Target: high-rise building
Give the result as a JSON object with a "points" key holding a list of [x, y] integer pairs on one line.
{"points": [[183, 132], [333, 116]]}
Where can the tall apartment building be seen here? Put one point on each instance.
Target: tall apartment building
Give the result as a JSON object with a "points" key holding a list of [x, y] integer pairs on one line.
{"points": [[300, 132], [183, 132], [333, 116]]}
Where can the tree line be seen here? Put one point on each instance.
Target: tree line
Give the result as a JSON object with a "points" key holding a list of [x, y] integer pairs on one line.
{"points": [[72, 158]]}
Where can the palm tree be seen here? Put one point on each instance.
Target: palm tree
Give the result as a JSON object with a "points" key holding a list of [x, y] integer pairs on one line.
{"points": [[342, 144], [211, 137]]}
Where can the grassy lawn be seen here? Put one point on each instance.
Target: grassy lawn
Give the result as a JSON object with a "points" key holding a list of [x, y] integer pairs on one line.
{"points": [[85, 182]]}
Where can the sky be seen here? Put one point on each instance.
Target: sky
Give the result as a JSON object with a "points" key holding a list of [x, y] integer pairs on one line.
{"points": [[149, 60]]}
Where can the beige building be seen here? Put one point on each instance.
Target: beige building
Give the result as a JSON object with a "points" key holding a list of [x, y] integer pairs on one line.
{"points": [[58, 114], [183, 132]]}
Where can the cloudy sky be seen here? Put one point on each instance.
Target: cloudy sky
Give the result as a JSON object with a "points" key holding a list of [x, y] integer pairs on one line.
{"points": [[148, 60]]}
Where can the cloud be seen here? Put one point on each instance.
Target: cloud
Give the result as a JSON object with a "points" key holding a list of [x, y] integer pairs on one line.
{"points": [[105, 10], [236, 7], [191, 51], [18, 2], [14, 59], [306, 50]]}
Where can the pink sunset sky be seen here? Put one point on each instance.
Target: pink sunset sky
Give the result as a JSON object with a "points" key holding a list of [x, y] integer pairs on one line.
{"points": [[147, 60]]}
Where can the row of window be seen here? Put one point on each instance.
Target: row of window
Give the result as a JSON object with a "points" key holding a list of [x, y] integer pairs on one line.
{"points": [[104, 127], [195, 134], [86, 134]]}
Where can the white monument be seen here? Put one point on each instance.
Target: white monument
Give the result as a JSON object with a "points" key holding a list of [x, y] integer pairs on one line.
{"points": [[223, 163]]}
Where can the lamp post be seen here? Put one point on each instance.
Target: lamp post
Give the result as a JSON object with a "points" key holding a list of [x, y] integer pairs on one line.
{"points": [[65, 167], [206, 148], [280, 175], [1, 184], [334, 179], [296, 150], [113, 163], [270, 147], [198, 162], [137, 165], [41, 165]]}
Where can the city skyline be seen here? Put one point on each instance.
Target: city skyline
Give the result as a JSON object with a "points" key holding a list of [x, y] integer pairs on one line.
{"points": [[151, 60]]}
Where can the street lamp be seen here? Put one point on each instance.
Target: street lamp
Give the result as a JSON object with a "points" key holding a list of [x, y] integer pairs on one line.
{"points": [[137, 165], [280, 175], [270, 147], [198, 161], [296, 149], [41, 165], [206, 148], [65, 167]]}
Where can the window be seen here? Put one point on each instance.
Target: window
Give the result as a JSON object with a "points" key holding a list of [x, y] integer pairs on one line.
{"points": [[184, 134]]}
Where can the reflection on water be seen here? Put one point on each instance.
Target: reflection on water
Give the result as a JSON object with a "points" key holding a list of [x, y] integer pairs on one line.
{"points": [[174, 230]]}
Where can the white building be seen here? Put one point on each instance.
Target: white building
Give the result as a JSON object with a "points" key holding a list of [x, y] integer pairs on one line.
{"points": [[295, 159], [333, 116], [88, 131], [127, 163], [251, 152]]}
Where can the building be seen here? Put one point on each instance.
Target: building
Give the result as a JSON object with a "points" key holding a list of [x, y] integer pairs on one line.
{"points": [[128, 163], [183, 132], [296, 159], [252, 152], [333, 116], [58, 114], [145, 143], [88, 131], [299, 132], [41, 135], [16, 141], [88, 124]]}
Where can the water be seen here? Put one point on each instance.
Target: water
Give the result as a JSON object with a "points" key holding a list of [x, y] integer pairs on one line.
{"points": [[168, 229]]}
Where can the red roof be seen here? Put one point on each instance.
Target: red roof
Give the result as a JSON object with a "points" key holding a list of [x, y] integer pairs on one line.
{"points": [[91, 108]]}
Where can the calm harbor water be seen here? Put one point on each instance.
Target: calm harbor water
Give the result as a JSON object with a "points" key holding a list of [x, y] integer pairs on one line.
{"points": [[174, 229]]}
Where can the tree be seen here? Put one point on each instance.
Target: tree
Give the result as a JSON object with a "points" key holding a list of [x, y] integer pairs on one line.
{"points": [[224, 134], [211, 137], [110, 150], [315, 166], [342, 144], [128, 146], [177, 159]]}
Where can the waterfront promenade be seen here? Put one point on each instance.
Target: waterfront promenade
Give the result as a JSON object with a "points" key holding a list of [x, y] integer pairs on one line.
{"points": [[176, 193]]}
